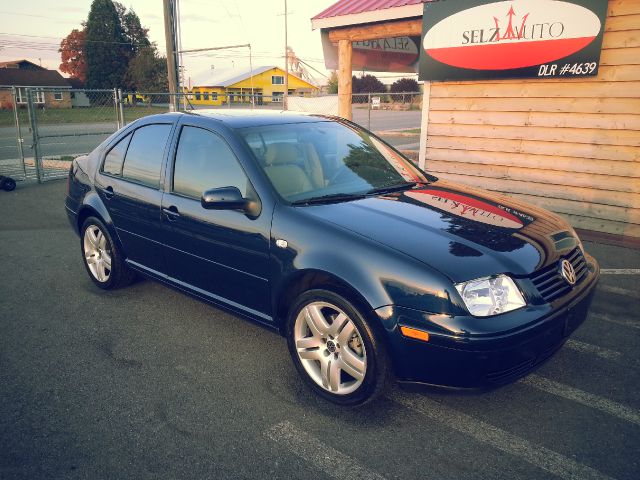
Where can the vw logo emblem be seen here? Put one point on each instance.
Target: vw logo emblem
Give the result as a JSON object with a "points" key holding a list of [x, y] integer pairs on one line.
{"points": [[567, 271]]}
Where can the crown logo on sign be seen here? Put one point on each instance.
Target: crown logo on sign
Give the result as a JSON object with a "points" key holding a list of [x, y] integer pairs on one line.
{"points": [[511, 32]]}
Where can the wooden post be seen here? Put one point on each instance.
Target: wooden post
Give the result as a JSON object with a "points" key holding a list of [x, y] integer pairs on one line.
{"points": [[424, 124], [345, 51]]}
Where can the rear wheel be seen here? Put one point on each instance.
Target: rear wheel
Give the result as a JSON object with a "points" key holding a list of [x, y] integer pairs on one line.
{"points": [[335, 350], [102, 258]]}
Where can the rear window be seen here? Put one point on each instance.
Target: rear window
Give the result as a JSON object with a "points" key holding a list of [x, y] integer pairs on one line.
{"points": [[144, 156]]}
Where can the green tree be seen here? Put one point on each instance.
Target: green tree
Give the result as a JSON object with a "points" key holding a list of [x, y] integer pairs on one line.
{"points": [[363, 85], [404, 85], [117, 37], [332, 83], [135, 34], [367, 84], [106, 50], [147, 72]]}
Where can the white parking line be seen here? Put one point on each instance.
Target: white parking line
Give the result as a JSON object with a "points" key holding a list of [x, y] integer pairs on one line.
{"points": [[620, 291], [332, 462], [536, 455], [620, 271], [585, 398], [594, 349], [623, 322]]}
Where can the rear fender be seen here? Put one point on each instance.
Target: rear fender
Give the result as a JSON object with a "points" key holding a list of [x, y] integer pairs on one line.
{"points": [[93, 206]]}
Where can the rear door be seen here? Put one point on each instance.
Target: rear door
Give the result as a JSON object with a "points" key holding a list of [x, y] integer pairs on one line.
{"points": [[129, 182], [223, 254]]}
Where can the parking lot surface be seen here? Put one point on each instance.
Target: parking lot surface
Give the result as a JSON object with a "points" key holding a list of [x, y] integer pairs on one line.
{"points": [[146, 382]]}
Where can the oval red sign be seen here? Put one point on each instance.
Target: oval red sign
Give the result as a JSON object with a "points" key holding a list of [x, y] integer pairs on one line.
{"points": [[505, 35]]}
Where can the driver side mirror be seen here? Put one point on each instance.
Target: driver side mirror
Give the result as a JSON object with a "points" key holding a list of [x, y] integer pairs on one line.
{"points": [[224, 198]]}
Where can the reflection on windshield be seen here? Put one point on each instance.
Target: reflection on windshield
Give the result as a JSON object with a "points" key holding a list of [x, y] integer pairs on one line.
{"points": [[305, 161]]}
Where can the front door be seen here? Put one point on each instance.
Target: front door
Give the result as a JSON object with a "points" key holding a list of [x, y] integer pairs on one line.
{"points": [[222, 254]]}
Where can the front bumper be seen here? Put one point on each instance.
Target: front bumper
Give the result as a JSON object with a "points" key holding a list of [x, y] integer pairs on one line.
{"points": [[463, 360]]}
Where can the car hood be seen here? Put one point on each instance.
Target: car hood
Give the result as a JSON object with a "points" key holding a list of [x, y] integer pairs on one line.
{"points": [[464, 233]]}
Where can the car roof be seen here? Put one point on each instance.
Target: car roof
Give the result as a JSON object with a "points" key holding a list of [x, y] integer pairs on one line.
{"points": [[240, 118]]}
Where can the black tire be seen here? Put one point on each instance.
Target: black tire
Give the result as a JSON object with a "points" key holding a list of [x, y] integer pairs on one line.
{"points": [[118, 274], [377, 365], [8, 184]]}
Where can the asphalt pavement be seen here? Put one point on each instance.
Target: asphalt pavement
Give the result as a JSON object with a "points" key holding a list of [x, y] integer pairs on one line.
{"points": [[146, 382]]}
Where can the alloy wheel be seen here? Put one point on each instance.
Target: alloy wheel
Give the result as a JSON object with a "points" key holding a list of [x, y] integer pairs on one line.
{"points": [[330, 348], [97, 253]]}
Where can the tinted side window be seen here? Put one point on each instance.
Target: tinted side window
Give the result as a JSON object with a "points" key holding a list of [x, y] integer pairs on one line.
{"points": [[205, 161], [115, 157], [144, 156]]}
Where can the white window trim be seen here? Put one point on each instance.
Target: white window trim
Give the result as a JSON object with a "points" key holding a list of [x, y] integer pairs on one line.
{"points": [[21, 95], [56, 94], [273, 77]]}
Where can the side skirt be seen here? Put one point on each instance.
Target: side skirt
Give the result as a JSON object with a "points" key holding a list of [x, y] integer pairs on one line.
{"points": [[215, 300]]}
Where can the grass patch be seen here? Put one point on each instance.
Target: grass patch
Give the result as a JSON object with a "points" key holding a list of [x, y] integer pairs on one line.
{"points": [[57, 116]]}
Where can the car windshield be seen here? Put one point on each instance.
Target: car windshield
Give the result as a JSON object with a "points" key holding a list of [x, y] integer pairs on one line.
{"points": [[330, 161]]}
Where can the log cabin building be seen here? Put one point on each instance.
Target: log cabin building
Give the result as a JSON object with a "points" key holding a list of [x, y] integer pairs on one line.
{"points": [[571, 145]]}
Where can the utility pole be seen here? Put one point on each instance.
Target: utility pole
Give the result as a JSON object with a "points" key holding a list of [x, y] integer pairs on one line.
{"points": [[285, 100], [170, 39]]}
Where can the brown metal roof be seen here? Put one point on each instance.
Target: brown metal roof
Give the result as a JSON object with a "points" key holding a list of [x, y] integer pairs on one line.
{"points": [[14, 77], [350, 7]]}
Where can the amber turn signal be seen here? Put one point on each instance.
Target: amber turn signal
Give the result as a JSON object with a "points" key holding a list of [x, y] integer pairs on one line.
{"points": [[413, 333]]}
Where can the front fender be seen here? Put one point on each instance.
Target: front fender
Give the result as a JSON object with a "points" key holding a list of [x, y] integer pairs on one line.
{"points": [[381, 275]]}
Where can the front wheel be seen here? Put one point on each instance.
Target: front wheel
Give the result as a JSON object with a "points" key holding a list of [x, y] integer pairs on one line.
{"points": [[102, 258], [335, 350]]}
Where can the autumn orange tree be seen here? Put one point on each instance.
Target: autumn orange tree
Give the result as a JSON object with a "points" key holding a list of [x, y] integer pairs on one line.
{"points": [[72, 53]]}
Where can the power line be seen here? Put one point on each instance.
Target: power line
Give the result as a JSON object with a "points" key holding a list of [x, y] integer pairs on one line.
{"points": [[23, 35], [65, 20], [58, 44]]}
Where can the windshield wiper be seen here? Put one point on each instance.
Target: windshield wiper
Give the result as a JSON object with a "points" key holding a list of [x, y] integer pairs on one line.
{"points": [[393, 188], [330, 198]]}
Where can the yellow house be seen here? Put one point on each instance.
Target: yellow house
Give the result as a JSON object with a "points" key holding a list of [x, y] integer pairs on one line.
{"points": [[218, 87]]}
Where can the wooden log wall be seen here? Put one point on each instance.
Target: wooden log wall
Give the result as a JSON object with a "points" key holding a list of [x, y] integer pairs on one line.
{"points": [[568, 145]]}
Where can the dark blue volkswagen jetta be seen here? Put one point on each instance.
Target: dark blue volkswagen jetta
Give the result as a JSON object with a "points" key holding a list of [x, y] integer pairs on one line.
{"points": [[318, 229]]}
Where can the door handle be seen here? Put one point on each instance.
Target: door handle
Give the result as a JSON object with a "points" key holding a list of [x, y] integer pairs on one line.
{"points": [[171, 212], [108, 192]]}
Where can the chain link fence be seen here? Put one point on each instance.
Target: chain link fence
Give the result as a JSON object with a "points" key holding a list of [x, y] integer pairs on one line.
{"points": [[11, 138], [42, 130]]}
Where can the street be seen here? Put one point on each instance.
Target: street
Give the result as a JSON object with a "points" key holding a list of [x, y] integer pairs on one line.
{"points": [[147, 382]]}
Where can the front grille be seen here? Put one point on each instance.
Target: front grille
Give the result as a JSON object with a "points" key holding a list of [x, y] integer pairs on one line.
{"points": [[503, 376], [550, 282]]}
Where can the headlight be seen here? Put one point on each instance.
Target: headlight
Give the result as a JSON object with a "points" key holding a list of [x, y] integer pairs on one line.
{"points": [[490, 296]]}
